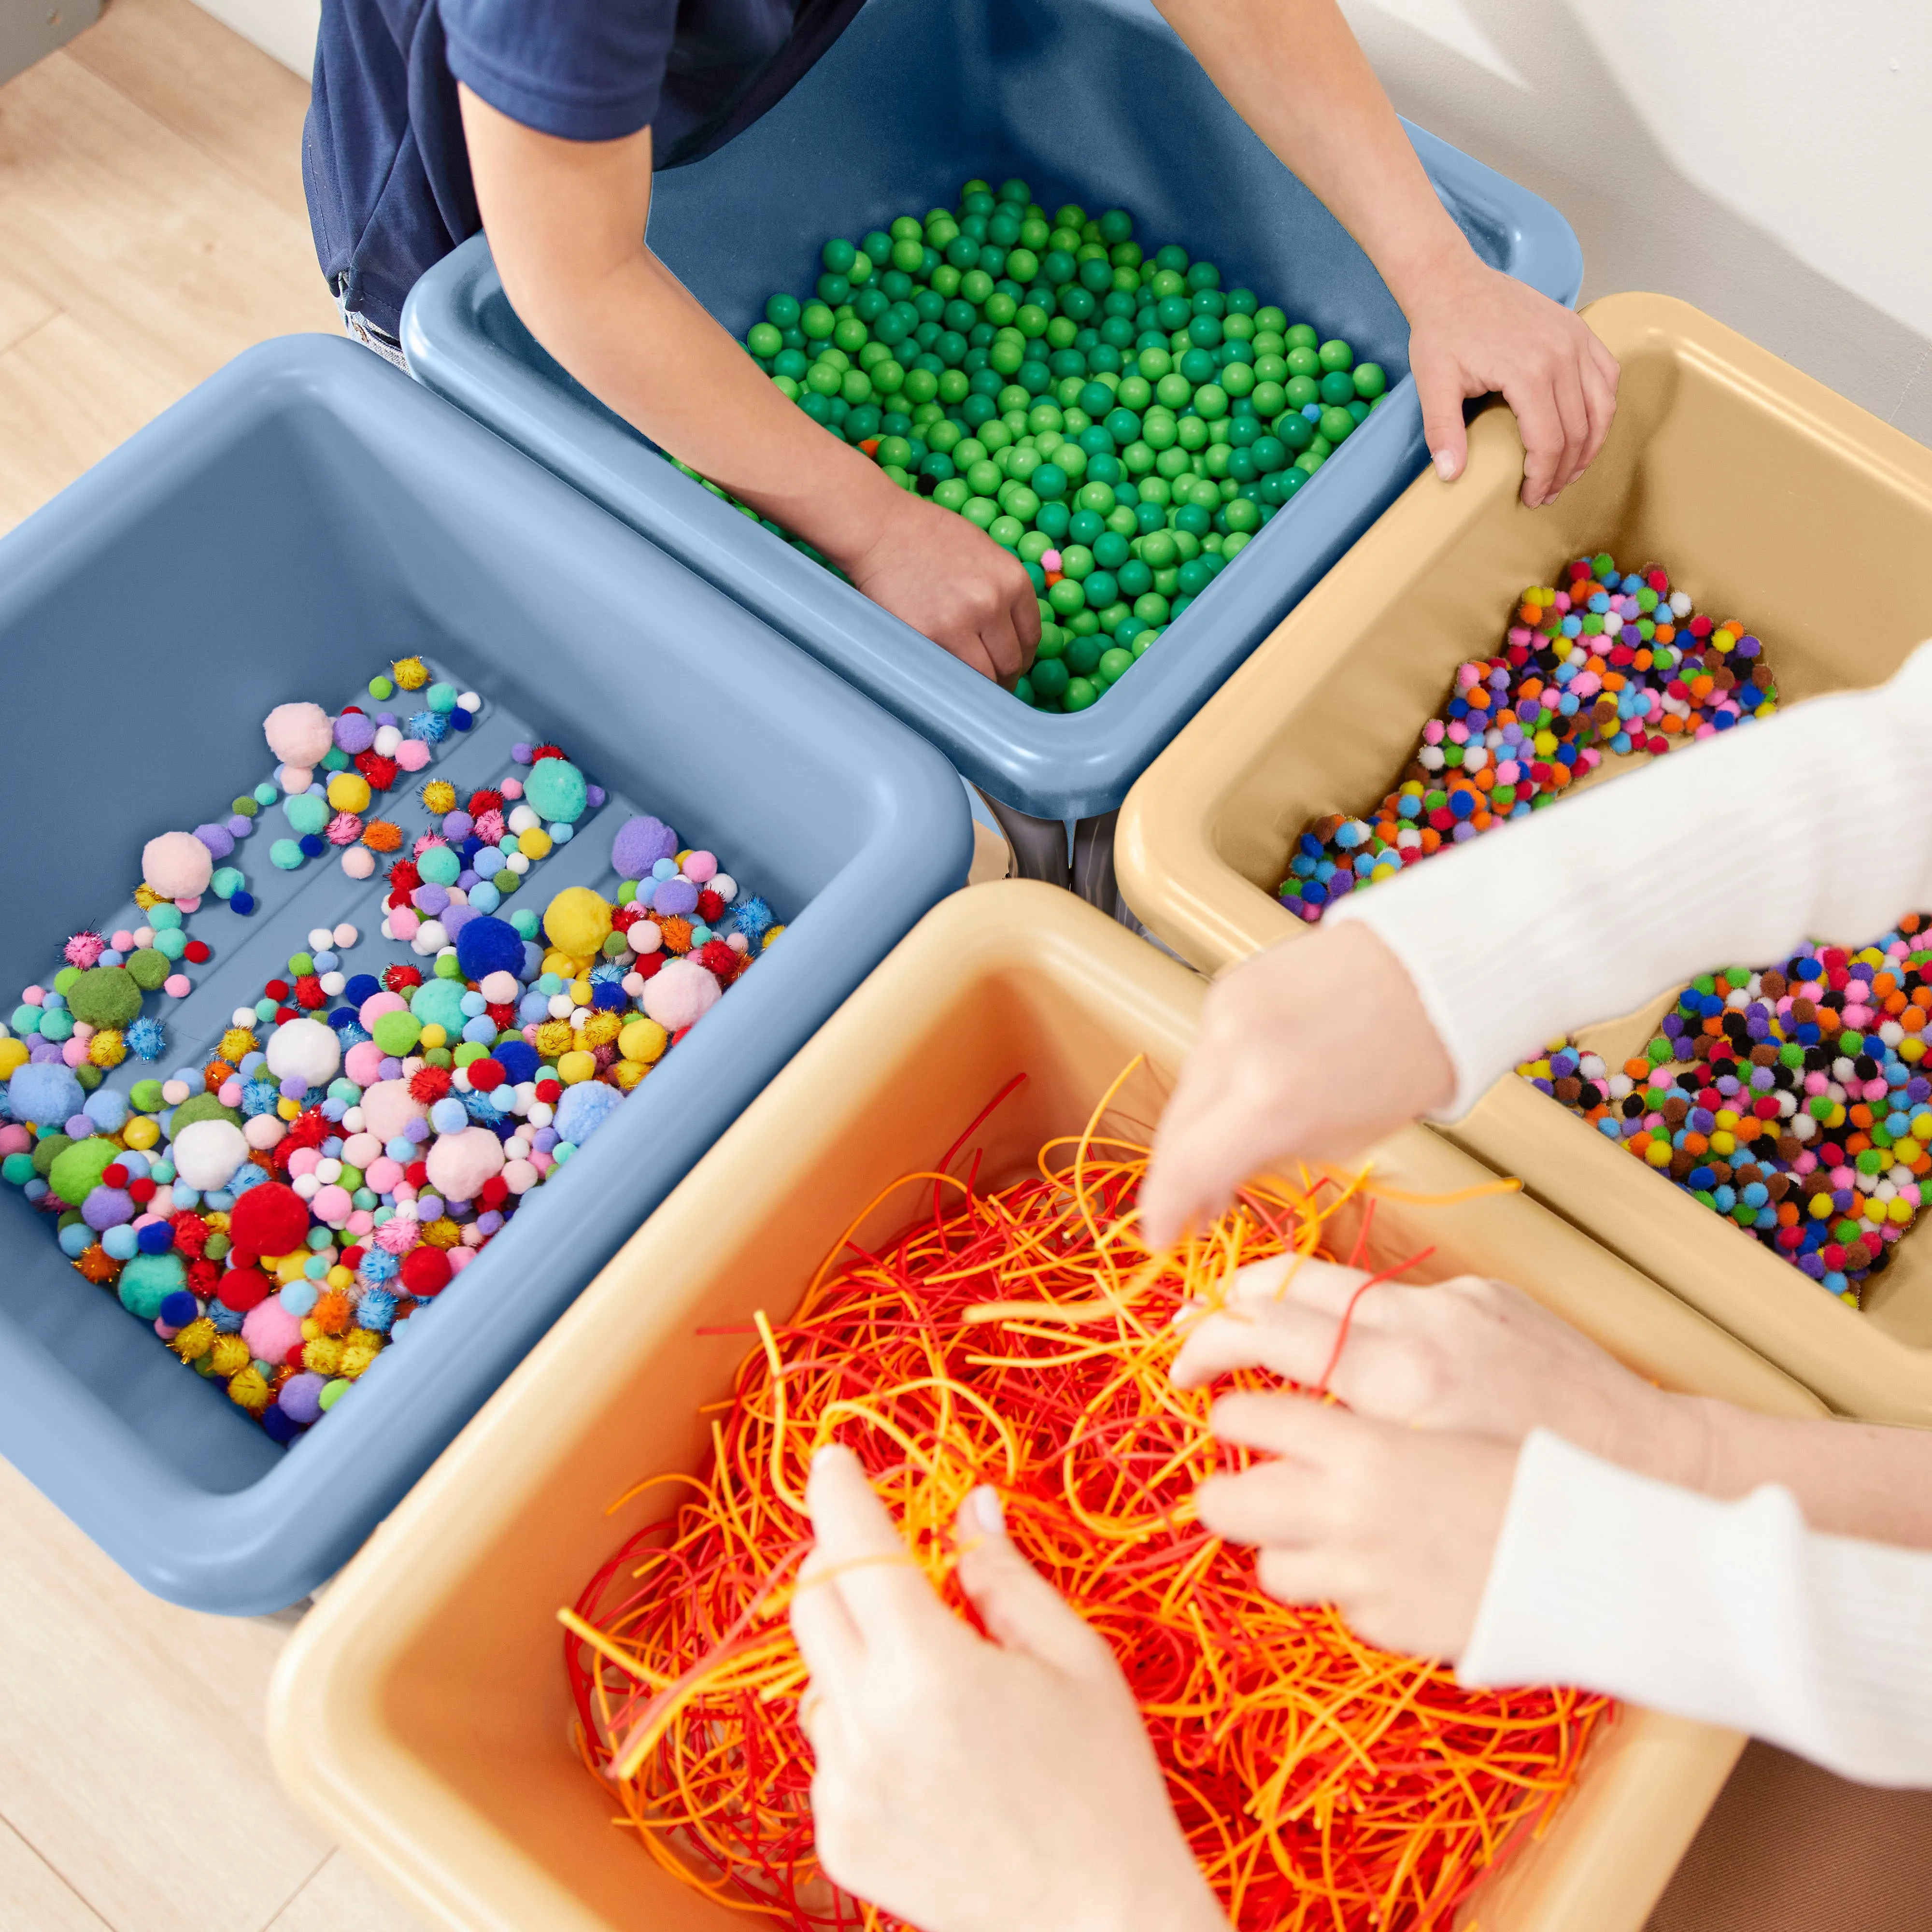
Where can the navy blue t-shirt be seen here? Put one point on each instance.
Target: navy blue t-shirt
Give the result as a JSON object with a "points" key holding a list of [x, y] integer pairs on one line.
{"points": [[383, 156]]}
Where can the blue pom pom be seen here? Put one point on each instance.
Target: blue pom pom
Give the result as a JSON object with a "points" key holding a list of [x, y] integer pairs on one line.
{"points": [[156, 1238], [313, 847], [609, 996], [430, 727], [45, 1093], [179, 1308], [147, 1039], [752, 917], [227, 1321], [342, 1017], [377, 1266], [583, 1109], [242, 902], [460, 720], [363, 986], [483, 1111], [278, 1425], [75, 1239], [486, 945], [247, 1175], [376, 1310], [518, 1060], [259, 1097]]}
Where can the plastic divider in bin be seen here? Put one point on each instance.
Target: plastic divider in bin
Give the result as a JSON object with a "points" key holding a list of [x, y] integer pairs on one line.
{"points": [[1765, 495], [1095, 100], [422, 1708], [304, 516]]}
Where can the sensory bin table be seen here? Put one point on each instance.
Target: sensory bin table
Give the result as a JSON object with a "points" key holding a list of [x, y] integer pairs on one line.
{"points": [[421, 1708], [1764, 493], [304, 517], [912, 100]]}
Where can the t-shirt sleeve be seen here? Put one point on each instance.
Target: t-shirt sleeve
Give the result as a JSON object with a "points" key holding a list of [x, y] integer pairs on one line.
{"points": [[582, 69]]}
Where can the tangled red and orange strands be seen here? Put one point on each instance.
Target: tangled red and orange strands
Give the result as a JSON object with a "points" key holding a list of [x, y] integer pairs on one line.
{"points": [[1021, 1338]]}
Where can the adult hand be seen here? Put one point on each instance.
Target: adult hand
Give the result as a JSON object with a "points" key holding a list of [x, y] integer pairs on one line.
{"points": [[1473, 329], [945, 577], [966, 1785], [1395, 1528], [1313, 1050], [1470, 1355]]}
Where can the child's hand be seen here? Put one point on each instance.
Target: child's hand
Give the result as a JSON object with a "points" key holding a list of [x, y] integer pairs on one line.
{"points": [[1395, 1528], [945, 577], [1473, 1356], [1313, 1050], [965, 1786], [1473, 329]]}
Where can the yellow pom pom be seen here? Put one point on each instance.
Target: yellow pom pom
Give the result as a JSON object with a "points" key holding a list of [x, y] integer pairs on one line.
{"points": [[581, 990], [228, 1355], [146, 897], [411, 673], [600, 1029], [141, 1133], [535, 844], [195, 1340], [441, 1233], [291, 1266], [341, 1280], [643, 1041], [439, 797], [349, 791], [248, 1391], [553, 1037], [626, 1074], [771, 934], [13, 1053], [237, 1043], [106, 1048], [362, 1338], [324, 1355], [574, 1068], [578, 919], [354, 1361], [432, 1036], [290, 1110]]}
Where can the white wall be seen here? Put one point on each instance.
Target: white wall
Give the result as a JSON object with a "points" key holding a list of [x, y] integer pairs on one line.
{"points": [[1770, 160], [286, 29]]}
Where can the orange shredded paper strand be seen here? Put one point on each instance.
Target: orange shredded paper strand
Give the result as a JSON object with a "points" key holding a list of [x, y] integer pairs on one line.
{"points": [[1021, 1337]]}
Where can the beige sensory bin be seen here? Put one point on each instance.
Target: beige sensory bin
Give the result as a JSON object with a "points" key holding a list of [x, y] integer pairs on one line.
{"points": [[1767, 497], [422, 1710]]}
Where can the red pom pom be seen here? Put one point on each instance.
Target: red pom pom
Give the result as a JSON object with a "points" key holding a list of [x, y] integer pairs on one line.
{"points": [[501, 1017], [428, 1084], [485, 800], [551, 1091], [190, 1233], [426, 1271], [401, 979], [241, 1288], [293, 1359], [543, 751], [202, 1274], [116, 1176], [352, 1258], [683, 1030], [403, 876], [141, 1192], [270, 1220], [309, 995], [277, 989], [714, 956], [379, 771], [494, 1191], [486, 1074], [417, 1174], [196, 952], [626, 916], [285, 1014], [649, 965], [710, 907]]}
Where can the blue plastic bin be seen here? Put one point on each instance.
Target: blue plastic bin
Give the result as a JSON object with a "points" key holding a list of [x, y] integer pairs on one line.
{"points": [[303, 516], [1097, 101]]}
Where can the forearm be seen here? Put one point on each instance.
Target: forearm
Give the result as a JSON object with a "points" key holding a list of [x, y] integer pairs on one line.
{"points": [[1293, 71], [1594, 910], [633, 336]]}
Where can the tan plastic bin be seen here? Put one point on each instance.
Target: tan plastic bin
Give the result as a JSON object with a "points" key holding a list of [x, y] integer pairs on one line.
{"points": [[1769, 499], [421, 1712]]}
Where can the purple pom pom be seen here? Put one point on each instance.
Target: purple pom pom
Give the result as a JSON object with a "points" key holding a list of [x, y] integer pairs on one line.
{"points": [[355, 732], [639, 844], [219, 840]]}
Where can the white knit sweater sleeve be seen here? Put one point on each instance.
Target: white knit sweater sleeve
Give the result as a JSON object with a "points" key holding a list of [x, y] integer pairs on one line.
{"points": [[1815, 824], [1730, 1613]]}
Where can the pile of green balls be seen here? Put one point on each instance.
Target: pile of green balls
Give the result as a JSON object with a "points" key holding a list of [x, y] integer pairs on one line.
{"points": [[1118, 420]]}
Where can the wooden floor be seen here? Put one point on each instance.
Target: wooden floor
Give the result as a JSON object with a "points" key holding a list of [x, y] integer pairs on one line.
{"points": [[152, 227]]}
